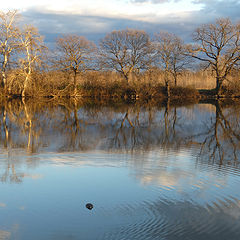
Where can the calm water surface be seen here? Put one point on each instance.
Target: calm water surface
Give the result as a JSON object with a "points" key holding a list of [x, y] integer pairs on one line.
{"points": [[166, 172]]}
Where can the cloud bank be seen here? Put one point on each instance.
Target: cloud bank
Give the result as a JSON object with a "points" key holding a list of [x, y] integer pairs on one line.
{"points": [[95, 26], [154, 1]]}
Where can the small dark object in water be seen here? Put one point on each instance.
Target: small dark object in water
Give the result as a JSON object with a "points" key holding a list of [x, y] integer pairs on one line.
{"points": [[89, 206]]}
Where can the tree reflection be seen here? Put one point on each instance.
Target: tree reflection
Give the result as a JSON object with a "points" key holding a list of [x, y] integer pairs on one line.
{"points": [[5, 127], [17, 132], [10, 174], [145, 128], [122, 136], [221, 138], [70, 126]]}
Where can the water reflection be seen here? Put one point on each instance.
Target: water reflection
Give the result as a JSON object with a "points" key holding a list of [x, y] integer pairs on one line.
{"points": [[222, 135], [63, 126], [181, 220], [152, 172], [211, 129], [4, 235]]}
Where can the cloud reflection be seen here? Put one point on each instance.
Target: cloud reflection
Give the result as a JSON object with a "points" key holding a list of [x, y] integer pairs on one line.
{"points": [[33, 176], [3, 205], [4, 235]]}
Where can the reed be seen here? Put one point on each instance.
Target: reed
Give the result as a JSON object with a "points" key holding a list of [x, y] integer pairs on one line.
{"points": [[111, 85]]}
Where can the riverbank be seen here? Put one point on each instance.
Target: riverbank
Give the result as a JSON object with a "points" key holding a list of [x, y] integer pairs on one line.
{"points": [[111, 86], [129, 93]]}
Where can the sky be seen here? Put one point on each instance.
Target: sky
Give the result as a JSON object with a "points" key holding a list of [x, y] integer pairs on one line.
{"points": [[94, 18]]}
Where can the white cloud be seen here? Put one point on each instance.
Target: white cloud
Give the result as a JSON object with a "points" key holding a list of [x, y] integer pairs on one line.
{"points": [[107, 8], [94, 18]]}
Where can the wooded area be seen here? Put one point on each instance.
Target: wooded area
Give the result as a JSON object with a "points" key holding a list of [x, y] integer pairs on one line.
{"points": [[124, 63]]}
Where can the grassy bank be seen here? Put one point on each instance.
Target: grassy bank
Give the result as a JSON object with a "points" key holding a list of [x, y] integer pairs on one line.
{"points": [[111, 86]]}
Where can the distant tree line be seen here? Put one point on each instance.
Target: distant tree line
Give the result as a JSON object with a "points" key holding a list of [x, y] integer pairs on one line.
{"points": [[127, 52]]}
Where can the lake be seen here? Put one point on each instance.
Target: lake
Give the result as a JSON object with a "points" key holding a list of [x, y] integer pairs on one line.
{"points": [[165, 171]]}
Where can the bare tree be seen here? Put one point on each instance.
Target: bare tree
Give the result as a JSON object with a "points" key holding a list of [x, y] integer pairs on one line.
{"points": [[219, 47], [126, 51], [8, 41], [74, 53], [171, 56], [32, 47]]}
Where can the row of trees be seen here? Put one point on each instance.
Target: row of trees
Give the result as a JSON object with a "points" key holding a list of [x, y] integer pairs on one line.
{"points": [[126, 51], [19, 48]]}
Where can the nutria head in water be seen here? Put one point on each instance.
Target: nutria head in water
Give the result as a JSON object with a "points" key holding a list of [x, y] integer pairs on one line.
{"points": [[89, 206]]}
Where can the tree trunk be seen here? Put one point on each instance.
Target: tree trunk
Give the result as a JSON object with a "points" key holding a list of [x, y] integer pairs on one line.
{"points": [[175, 79], [25, 86], [167, 89], [27, 70], [75, 84], [219, 82], [126, 92], [126, 78], [26, 81], [4, 78], [4, 81], [167, 81]]}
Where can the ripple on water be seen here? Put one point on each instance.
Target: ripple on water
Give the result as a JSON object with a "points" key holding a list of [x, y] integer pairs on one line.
{"points": [[165, 219]]}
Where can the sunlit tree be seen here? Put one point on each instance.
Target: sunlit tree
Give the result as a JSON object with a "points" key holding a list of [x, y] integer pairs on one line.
{"points": [[218, 46], [31, 45], [74, 53], [126, 51], [170, 56], [9, 40]]}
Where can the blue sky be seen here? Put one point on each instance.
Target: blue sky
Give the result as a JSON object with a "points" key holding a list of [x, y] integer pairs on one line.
{"points": [[94, 18]]}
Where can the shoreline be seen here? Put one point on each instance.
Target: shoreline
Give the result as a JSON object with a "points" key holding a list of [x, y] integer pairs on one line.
{"points": [[131, 95]]}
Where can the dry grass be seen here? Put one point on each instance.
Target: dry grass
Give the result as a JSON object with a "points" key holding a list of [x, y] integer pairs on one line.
{"points": [[111, 85]]}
